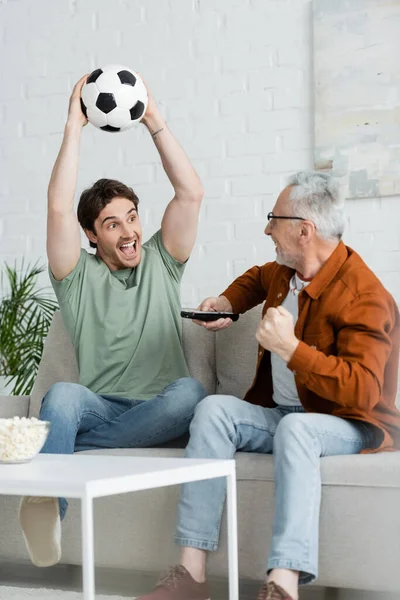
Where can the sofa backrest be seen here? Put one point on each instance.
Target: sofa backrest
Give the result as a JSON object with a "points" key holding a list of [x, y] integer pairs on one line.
{"points": [[224, 362], [58, 363], [236, 354]]}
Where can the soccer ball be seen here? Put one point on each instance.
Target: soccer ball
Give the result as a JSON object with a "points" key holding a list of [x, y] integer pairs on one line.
{"points": [[114, 98]]}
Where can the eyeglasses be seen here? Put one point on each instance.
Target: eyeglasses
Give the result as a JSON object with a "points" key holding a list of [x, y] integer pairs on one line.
{"points": [[272, 216]]}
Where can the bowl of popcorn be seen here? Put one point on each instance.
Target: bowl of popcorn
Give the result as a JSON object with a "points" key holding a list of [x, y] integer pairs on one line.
{"points": [[21, 439]]}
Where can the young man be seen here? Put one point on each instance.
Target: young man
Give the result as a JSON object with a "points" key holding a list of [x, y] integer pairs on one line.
{"points": [[325, 385], [121, 307]]}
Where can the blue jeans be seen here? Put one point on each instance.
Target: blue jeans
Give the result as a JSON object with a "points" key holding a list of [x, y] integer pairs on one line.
{"points": [[82, 420], [224, 424]]}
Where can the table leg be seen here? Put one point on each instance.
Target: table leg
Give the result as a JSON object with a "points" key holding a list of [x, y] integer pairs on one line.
{"points": [[87, 549], [232, 537]]}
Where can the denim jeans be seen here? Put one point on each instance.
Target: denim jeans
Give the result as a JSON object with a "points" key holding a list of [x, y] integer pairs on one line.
{"points": [[82, 420], [224, 424]]}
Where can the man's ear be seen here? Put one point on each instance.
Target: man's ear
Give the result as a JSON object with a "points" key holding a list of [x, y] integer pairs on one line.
{"points": [[308, 230], [92, 237]]}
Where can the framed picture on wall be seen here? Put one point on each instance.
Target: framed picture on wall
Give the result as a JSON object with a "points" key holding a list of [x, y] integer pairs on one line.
{"points": [[357, 94]]}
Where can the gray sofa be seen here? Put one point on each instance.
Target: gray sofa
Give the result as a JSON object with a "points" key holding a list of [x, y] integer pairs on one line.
{"points": [[360, 515]]}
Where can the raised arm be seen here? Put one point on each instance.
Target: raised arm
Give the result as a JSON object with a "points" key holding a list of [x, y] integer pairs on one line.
{"points": [[63, 233], [179, 224]]}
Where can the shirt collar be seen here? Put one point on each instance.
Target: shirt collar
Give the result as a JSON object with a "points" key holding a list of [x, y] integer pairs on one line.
{"points": [[330, 269]]}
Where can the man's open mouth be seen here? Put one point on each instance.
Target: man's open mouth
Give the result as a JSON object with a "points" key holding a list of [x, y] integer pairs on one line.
{"points": [[129, 249]]}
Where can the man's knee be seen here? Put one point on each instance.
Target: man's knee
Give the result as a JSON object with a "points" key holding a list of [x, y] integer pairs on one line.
{"points": [[292, 430], [62, 399], [215, 409], [190, 390]]}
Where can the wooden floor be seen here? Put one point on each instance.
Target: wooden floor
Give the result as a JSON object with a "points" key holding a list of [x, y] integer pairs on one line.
{"points": [[129, 583]]}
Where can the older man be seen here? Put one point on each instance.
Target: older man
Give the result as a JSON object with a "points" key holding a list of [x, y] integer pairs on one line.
{"points": [[325, 385]]}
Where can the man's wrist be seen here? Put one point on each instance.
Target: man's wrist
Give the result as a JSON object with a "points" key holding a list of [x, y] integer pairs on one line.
{"points": [[289, 350], [227, 306], [154, 123], [73, 128]]}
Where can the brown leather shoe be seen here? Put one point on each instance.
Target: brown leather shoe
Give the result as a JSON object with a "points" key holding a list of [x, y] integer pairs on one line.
{"points": [[178, 584], [273, 591]]}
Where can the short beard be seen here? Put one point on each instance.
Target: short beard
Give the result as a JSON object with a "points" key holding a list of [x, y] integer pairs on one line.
{"points": [[287, 261]]}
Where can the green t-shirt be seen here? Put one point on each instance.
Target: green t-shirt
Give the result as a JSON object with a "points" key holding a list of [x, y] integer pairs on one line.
{"points": [[125, 325]]}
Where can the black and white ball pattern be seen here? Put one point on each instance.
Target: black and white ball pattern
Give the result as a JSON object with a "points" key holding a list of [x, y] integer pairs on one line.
{"points": [[114, 98]]}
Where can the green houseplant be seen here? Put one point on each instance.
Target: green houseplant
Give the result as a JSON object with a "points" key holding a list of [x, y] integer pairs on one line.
{"points": [[26, 312]]}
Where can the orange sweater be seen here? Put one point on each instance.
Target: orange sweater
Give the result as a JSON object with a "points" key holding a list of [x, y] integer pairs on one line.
{"points": [[346, 363]]}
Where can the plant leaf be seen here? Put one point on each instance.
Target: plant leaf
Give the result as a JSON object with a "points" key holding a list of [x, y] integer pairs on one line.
{"points": [[26, 312]]}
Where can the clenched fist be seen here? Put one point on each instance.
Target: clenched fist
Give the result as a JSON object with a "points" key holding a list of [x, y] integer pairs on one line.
{"points": [[276, 333]]}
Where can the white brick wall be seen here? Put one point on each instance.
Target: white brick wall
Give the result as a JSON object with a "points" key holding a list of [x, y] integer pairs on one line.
{"points": [[233, 78]]}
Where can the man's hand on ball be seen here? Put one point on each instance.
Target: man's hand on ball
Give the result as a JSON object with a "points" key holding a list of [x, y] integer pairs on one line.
{"points": [[276, 333], [152, 114], [75, 114]]}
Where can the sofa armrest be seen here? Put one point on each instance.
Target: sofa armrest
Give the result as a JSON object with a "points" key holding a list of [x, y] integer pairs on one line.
{"points": [[14, 406]]}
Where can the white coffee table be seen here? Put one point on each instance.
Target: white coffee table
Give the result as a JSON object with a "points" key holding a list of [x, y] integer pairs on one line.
{"points": [[87, 477]]}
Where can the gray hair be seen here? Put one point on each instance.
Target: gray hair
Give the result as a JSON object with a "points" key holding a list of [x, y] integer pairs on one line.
{"points": [[316, 197]]}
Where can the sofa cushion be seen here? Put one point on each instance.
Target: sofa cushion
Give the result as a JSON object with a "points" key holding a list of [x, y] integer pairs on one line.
{"points": [[360, 470], [58, 361], [236, 354]]}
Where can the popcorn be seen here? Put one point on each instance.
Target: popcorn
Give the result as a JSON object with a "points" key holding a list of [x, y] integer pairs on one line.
{"points": [[21, 438]]}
